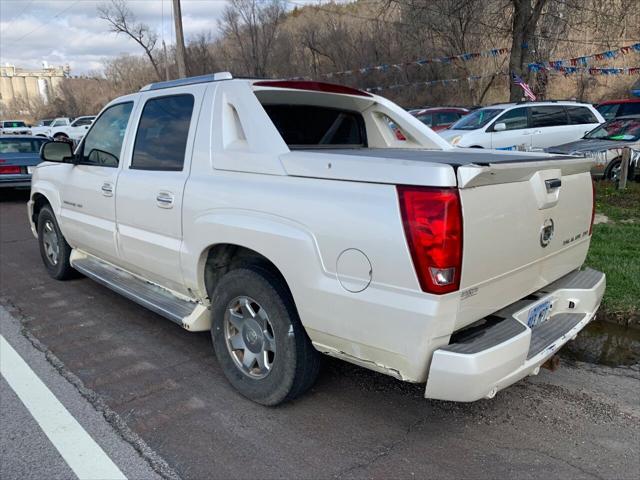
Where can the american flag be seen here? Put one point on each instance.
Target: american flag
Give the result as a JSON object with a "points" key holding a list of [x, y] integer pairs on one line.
{"points": [[525, 88]]}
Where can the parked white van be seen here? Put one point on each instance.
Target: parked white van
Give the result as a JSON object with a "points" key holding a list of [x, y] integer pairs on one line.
{"points": [[528, 126]]}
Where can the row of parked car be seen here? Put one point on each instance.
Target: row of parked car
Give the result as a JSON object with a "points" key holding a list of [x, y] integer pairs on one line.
{"points": [[557, 127], [61, 128]]}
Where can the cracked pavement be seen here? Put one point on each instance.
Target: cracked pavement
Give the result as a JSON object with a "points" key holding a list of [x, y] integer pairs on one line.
{"points": [[163, 384]]}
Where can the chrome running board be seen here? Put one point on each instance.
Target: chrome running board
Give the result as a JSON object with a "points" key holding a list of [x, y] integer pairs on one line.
{"points": [[186, 313]]}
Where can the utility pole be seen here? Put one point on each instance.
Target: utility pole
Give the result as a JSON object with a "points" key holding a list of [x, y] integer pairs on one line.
{"points": [[180, 51]]}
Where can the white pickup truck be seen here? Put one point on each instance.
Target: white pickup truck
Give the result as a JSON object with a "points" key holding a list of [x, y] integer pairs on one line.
{"points": [[288, 219]]}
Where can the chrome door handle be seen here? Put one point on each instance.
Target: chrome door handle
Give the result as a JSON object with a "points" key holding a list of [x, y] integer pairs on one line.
{"points": [[165, 199], [107, 189]]}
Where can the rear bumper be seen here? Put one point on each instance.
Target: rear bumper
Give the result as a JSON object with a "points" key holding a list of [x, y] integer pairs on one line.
{"points": [[17, 180], [508, 351]]}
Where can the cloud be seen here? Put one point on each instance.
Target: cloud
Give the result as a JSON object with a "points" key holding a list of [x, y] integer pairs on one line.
{"points": [[70, 31]]}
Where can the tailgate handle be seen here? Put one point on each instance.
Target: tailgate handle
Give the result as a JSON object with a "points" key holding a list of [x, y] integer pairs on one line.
{"points": [[552, 184]]}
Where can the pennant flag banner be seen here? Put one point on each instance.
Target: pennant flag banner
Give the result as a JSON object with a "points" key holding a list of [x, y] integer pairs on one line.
{"points": [[561, 65], [463, 57]]}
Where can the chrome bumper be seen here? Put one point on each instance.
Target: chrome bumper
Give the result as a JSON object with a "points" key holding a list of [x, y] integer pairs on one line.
{"points": [[508, 351]]}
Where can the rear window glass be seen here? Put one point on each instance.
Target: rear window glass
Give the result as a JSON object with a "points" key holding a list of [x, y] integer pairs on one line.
{"points": [[14, 124], [579, 115], [629, 109], [551, 116], [20, 145], [307, 126]]}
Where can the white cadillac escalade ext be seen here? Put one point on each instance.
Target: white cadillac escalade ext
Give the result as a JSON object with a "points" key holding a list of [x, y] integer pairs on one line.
{"points": [[290, 219]]}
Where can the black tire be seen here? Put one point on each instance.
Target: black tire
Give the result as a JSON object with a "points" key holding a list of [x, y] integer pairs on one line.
{"points": [[60, 137], [615, 164], [295, 363], [50, 236]]}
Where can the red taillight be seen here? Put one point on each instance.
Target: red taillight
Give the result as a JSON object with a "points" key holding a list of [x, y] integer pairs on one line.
{"points": [[593, 206], [9, 170], [432, 219]]}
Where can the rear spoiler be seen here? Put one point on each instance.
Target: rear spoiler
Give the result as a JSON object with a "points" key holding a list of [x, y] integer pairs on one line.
{"points": [[475, 175]]}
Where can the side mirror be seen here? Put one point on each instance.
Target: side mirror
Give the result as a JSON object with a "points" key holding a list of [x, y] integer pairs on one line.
{"points": [[56, 152], [500, 127]]}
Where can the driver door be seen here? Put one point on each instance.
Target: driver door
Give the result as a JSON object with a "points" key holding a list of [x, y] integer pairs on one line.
{"points": [[88, 192]]}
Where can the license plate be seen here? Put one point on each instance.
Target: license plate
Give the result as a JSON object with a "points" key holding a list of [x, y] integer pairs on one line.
{"points": [[29, 170], [539, 314]]}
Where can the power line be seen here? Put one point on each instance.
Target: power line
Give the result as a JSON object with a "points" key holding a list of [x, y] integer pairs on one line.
{"points": [[45, 23]]}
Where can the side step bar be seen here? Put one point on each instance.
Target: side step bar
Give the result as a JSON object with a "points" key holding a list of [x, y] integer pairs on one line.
{"points": [[188, 314]]}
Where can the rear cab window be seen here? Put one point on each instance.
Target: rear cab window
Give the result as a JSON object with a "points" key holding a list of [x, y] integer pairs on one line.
{"points": [[14, 125], [309, 126]]}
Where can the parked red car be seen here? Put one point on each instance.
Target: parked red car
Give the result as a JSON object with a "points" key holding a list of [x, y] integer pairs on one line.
{"points": [[439, 118], [619, 108]]}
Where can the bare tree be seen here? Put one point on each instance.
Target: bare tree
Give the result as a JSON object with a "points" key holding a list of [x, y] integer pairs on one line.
{"points": [[254, 26], [122, 20]]}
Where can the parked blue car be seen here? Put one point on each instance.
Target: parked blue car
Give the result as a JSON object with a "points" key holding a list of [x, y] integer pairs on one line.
{"points": [[19, 154]]}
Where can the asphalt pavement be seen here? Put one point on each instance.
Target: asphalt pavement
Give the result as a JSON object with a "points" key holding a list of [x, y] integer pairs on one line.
{"points": [[159, 389]]}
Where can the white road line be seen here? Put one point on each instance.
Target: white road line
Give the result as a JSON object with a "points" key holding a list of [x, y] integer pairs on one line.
{"points": [[83, 455]]}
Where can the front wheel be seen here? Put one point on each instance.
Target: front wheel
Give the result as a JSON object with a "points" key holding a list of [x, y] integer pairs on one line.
{"points": [[615, 167], [54, 249], [259, 341]]}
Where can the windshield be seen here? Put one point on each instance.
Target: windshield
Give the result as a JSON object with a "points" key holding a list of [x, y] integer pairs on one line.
{"points": [[477, 119], [608, 111], [627, 130]]}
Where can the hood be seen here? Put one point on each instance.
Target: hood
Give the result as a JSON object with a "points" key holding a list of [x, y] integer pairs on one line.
{"points": [[449, 133], [588, 145]]}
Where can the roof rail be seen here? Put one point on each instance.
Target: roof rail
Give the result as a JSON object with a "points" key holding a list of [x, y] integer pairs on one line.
{"points": [[212, 77]]}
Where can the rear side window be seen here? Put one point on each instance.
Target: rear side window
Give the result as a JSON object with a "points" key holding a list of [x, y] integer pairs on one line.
{"points": [[161, 141], [307, 126], [580, 115], [548, 116], [427, 119], [629, 109], [446, 118], [514, 119]]}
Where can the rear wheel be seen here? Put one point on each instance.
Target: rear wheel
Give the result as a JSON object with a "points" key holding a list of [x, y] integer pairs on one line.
{"points": [[54, 249], [61, 137], [259, 341]]}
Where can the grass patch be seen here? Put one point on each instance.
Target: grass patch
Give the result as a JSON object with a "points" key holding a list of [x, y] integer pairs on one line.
{"points": [[615, 250]]}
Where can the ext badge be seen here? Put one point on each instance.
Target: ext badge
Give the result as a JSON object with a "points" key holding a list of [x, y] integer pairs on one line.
{"points": [[546, 233]]}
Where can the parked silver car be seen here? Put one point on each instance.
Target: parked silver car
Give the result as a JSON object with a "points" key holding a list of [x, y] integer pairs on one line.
{"points": [[605, 144]]}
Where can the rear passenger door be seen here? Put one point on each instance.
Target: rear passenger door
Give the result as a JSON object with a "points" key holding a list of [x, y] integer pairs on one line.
{"points": [[551, 127], [150, 187]]}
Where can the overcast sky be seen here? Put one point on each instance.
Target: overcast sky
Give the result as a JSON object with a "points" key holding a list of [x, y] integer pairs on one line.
{"points": [[70, 32]]}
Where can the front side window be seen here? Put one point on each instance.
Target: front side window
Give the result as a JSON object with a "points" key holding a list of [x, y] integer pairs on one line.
{"points": [[82, 122], [161, 141], [103, 144], [548, 116], [515, 119]]}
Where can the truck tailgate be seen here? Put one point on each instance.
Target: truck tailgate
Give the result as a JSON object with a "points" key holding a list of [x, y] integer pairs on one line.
{"points": [[525, 225]]}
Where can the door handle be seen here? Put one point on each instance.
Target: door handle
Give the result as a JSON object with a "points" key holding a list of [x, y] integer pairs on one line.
{"points": [[107, 189], [165, 199], [552, 184]]}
